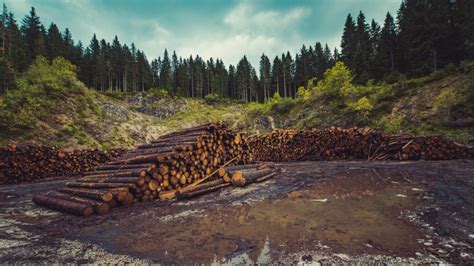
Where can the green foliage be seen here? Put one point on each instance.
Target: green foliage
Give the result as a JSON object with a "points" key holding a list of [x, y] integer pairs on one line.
{"points": [[212, 99], [363, 105], [392, 124], [337, 82], [303, 93], [158, 92], [39, 88]]}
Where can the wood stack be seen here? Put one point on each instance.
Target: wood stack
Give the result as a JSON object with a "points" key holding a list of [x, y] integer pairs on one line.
{"points": [[421, 148], [352, 143], [167, 164], [23, 163], [325, 144]]}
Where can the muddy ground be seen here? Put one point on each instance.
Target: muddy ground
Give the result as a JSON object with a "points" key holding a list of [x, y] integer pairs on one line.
{"points": [[311, 212]]}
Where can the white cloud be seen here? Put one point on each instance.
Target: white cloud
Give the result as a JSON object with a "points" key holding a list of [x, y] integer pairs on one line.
{"points": [[245, 17], [230, 49]]}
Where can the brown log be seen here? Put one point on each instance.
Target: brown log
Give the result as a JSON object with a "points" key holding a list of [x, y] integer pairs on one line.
{"points": [[196, 193], [126, 166], [96, 185], [133, 180], [75, 208], [100, 207], [244, 177], [121, 173], [89, 193]]}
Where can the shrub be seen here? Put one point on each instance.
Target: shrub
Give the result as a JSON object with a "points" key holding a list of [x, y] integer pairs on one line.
{"points": [[337, 81], [212, 99], [158, 91], [363, 105], [39, 88]]}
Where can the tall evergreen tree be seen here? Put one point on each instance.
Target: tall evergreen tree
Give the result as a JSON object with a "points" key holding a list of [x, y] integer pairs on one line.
{"points": [[386, 49], [31, 29], [362, 52], [165, 72], [265, 76], [349, 43]]}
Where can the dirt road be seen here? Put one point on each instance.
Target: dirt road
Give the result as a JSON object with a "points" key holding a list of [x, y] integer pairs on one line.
{"points": [[312, 211]]}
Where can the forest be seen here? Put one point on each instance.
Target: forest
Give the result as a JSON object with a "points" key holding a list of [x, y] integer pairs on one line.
{"points": [[423, 37]]}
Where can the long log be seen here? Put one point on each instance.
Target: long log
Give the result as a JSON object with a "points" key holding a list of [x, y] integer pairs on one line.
{"points": [[128, 180], [63, 205], [89, 193], [200, 187], [100, 207], [121, 173], [196, 193], [96, 185], [242, 178], [127, 166]]}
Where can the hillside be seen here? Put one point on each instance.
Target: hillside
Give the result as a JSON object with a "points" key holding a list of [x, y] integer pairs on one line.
{"points": [[442, 103], [52, 107]]}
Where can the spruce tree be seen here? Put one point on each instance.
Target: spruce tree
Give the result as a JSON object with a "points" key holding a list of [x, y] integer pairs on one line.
{"points": [[349, 43], [265, 70], [31, 29]]}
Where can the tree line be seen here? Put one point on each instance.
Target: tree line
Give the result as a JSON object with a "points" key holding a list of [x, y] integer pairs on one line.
{"points": [[425, 36]]}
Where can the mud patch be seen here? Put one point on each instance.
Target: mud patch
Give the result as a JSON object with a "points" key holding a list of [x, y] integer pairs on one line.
{"points": [[361, 211]]}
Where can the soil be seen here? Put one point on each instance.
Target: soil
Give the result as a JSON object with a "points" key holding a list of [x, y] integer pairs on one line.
{"points": [[327, 212]]}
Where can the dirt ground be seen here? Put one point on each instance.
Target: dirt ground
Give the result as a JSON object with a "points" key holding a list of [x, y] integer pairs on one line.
{"points": [[365, 212]]}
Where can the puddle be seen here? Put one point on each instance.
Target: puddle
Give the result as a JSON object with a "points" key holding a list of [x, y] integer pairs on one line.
{"points": [[352, 214]]}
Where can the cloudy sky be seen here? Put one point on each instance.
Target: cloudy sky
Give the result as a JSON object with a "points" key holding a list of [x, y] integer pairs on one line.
{"points": [[226, 29]]}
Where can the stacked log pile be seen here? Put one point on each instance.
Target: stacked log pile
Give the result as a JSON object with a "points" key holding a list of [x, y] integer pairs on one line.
{"points": [[167, 164], [23, 163], [421, 148], [352, 143]]}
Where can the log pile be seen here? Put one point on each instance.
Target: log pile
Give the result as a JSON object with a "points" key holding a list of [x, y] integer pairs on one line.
{"points": [[172, 162], [23, 163], [352, 143], [421, 148]]}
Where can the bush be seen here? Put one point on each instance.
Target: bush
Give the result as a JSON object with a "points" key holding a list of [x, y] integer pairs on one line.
{"points": [[39, 88], [158, 92], [337, 82], [212, 99], [392, 124], [363, 105]]}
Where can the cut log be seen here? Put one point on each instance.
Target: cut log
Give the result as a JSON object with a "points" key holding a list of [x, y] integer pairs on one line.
{"points": [[242, 178], [89, 193], [100, 207], [75, 208]]}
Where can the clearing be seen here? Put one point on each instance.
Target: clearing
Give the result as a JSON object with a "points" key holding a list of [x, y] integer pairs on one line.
{"points": [[341, 211]]}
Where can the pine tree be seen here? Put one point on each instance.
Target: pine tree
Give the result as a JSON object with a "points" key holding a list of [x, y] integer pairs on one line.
{"points": [[319, 61], [165, 72], [174, 73], [362, 52], [15, 47], [232, 81], [374, 39], [31, 29], [328, 57], [277, 74], [386, 49], [55, 43], [265, 77], [349, 43]]}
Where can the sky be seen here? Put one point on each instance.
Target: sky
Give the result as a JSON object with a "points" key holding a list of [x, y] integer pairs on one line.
{"points": [[225, 29]]}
